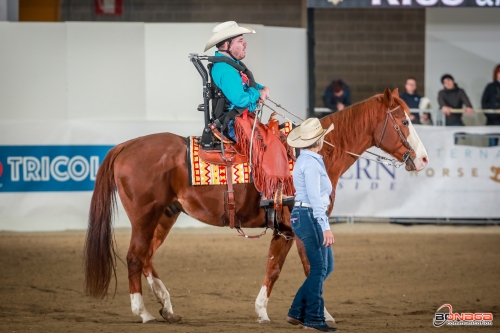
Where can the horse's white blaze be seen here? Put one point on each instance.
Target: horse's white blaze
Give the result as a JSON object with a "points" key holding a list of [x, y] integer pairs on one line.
{"points": [[161, 293], [139, 309], [328, 316], [261, 305], [422, 159]]}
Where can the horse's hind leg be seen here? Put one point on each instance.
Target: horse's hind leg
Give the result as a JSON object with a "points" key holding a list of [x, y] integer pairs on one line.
{"points": [[278, 250], [305, 263], [161, 293], [143, 229]]}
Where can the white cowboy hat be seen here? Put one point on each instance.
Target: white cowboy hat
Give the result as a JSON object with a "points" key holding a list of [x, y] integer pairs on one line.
{"points": [[226, 30], [307, 133]]}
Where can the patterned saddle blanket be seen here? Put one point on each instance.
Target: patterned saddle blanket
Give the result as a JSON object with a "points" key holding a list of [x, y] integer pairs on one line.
{"points": [[202, 172]]}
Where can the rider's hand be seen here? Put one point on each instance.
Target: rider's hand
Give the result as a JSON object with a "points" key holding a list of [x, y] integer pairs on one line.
{"points": [[340, 106], [264, 94], [328, 238], [446, 110]]}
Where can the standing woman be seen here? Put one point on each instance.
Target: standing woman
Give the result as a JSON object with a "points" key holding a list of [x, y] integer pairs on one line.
{"points": [[309, 221]]}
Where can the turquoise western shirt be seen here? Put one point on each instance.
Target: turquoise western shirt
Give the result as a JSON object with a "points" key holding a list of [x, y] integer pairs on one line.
{"points": [[228, 79]]}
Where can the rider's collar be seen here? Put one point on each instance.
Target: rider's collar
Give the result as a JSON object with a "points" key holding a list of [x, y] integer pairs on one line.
{"points": [[219, 54]]}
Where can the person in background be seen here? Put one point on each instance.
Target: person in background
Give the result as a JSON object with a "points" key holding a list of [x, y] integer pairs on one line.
{"points": [[426, 117], [453, 97], [491, 98], [337, 96], [411, 98]]}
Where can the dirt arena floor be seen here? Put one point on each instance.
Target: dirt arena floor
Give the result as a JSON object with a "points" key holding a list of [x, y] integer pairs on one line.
{"points": [[387, 278]]}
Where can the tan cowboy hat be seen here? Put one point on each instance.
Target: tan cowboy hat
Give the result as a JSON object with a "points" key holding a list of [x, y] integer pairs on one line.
{"points": [[307, 133], [226, 30]]}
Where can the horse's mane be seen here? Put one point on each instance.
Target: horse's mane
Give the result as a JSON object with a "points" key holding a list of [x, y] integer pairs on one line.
{"points": [[353, 122]]}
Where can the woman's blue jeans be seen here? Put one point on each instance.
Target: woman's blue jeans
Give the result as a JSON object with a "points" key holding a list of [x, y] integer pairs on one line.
{"points": [[308, 304]]}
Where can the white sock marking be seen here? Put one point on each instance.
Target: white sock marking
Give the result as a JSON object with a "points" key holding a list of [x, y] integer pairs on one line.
{"points": [[139, 309], [328, 316], [261, 305], [161, 293]]}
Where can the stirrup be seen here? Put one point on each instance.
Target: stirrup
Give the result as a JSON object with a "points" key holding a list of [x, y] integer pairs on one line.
{"points": [[269, 203]]}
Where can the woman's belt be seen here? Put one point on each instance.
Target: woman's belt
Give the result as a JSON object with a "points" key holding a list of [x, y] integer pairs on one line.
{"points": [[305, 204]]}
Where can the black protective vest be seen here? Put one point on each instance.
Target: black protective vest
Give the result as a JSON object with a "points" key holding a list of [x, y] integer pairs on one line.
{"points": [[220, 103]]}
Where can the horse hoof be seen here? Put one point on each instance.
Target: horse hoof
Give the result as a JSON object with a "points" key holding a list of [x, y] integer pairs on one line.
{"points": [[263, 321], [171, 318], [152, 321]]}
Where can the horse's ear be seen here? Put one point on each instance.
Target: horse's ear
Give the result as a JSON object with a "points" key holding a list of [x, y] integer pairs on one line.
{"points": [[388, 100], [395, 92]]}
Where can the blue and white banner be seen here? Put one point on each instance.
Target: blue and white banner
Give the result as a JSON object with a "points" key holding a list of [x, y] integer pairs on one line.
{"points": [[50, 168]]}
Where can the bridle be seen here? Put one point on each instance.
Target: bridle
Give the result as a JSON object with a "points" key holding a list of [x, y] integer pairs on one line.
{"points": [[380, 159], [407, 155]]}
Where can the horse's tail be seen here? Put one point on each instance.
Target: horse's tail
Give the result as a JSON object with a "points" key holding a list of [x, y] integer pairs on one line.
{"points": [[100, 249]]}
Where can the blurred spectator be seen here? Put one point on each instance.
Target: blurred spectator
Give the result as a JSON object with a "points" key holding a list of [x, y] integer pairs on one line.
{"points": [[491, 98], [425, 104], [453, 97], [337, 96], [412, 98], [426, 119]]}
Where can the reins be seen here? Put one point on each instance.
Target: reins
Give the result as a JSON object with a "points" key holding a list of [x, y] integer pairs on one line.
{"points": [[381, 159]]}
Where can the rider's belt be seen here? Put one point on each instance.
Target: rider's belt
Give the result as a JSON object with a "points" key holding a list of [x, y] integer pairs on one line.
{"points": [[305, 204]]}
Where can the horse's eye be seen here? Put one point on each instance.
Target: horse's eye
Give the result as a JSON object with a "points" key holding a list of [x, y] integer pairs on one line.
{"points": [[405, 122]]}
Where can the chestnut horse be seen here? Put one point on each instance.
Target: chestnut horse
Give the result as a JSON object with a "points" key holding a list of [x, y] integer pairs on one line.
{"points": [[151, 176]]}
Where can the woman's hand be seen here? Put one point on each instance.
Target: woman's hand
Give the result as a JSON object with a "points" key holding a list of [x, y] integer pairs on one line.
{"points": [[328, 238]]}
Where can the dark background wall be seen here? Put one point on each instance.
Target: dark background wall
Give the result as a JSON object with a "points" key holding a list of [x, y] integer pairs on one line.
{"points": [[281, 13], [368, 48]]}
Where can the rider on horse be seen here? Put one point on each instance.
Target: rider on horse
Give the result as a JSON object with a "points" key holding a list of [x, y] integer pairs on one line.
{"points": [[241, 95], [236, 86]]}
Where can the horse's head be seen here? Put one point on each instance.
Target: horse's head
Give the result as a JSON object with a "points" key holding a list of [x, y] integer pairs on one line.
{"points": [[395, 133]]}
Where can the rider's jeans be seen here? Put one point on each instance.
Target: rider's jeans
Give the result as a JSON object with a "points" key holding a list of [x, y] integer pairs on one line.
{"points": [[308, 304]]}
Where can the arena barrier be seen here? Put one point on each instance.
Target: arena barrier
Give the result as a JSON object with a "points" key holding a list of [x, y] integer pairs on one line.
{"points": [[48, 169]]}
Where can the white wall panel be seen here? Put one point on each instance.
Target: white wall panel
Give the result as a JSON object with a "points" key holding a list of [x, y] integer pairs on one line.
{"points": [[464, 42], [32, 71], [173, 86], [285, 68], [106, 71]]}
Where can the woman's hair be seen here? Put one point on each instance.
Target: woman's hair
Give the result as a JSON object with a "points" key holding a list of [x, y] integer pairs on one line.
{"points": [[316, 144], [495, 72]]}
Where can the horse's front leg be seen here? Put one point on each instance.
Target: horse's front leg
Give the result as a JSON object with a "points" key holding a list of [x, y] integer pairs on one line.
{"points": [[277, 254], [305, 263]]}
